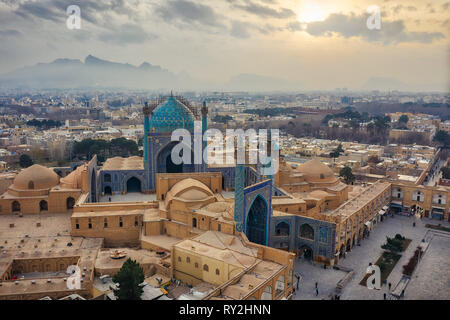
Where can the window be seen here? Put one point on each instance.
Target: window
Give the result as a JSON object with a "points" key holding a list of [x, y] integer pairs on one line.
{"points": [[217, 271], [194, 223], [196, 265], [15, 206], [205, 267], [31, 185], [107, 177], [188, 260], [77, 224], [105, 223], [90, 224], [179, 259], [136, 222], [306, 231], [120, 222], [322, 176], [219, 227], [323, 234]]}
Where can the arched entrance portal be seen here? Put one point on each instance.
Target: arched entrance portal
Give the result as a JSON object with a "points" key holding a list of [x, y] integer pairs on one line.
{"points": [[93, 186], [108, 190], [306, 252], [257, 221], [133, 185], [164, 160]]}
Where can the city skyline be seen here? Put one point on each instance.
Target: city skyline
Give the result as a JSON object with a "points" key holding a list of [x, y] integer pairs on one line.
{"points": [[309, 45]]}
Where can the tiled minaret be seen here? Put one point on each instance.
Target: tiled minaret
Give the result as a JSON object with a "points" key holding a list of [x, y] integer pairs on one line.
{"points": [[239, 183], [146, 111], [204, 166]]}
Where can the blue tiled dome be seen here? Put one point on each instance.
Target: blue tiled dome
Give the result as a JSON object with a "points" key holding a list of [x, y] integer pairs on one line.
{"points": [[171, 115]]}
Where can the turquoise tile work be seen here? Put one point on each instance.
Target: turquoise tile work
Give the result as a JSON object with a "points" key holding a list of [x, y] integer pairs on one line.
{"points": [[171, 115]]}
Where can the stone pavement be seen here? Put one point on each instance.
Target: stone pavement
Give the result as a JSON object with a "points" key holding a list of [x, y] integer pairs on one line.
{"points": [[434, 269]]}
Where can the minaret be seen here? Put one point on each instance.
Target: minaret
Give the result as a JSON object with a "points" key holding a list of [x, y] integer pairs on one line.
{"points": [[239, 183], [204, 128], [147, 112]]}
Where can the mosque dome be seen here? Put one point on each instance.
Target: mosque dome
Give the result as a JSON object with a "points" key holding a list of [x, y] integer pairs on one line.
{"points": [[171, 115], [316, 171], [36, 177]]}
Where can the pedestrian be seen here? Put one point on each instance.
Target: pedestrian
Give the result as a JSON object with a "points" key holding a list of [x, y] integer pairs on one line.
{"points": [[384, 296], [317, 284], [317, 292], [390, 284]]}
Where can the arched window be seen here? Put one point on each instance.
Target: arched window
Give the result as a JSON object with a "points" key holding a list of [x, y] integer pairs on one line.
{"points": [[43, 205], [196, 265], [107, 177], [306, 231], [31, 185], [90, 223], [282, 229], [217, 271], [188, 260], [194, 223], [70, 203], [105, 223], [205, 267], [120, 222], [15, 206], [322, 176]]}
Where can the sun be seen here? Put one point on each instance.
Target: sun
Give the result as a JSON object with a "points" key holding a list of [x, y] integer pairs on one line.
{"points": [[311, 12]]}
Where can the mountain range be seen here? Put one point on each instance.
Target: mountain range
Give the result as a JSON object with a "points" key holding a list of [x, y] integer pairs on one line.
{"points": [[98, 73]]}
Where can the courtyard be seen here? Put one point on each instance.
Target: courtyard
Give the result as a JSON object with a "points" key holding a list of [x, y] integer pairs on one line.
{"points": [[430, 281]]}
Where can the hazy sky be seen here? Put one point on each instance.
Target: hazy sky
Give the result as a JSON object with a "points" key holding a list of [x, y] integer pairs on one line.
{"points": [[323, 44]]}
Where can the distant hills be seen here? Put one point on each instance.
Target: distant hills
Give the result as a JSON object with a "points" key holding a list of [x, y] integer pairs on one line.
{"points": [[93, 72], [98, 73]]}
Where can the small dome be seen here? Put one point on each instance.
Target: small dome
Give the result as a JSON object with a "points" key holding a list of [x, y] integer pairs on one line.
{"points": [[171, 115], [315, 170], [189, 190], [36, 177]]}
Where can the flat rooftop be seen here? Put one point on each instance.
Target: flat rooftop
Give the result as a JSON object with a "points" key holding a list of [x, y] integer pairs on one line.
{"points": [[129, 197]]}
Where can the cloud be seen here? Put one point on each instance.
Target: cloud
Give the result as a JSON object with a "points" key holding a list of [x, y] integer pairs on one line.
{"points": [[187, 12], [353, 25], [240, 29], [263, 11], [10, 33], [126, 34]]}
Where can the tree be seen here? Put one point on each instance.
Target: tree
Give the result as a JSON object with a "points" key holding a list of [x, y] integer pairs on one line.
{"points": [[336, 152], [446, 172], [25, 161], [129, 278], [403, 119], [347, 174], [443, 138]]}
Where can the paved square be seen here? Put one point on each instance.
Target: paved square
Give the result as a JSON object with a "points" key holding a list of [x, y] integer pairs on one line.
{"points": [[431, 282]]}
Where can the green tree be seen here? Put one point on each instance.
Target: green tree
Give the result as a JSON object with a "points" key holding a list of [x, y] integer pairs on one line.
{"points": [[25, 161], [129, 278], [403, 119], [443, 138], [347, 174], [446, 172]]}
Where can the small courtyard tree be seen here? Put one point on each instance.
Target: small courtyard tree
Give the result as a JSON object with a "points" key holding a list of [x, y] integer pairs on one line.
{"points": [[346, 173], [129, 278]]}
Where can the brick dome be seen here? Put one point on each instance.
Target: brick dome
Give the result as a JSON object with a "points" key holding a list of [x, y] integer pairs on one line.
{"points": [[36, 177]]}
